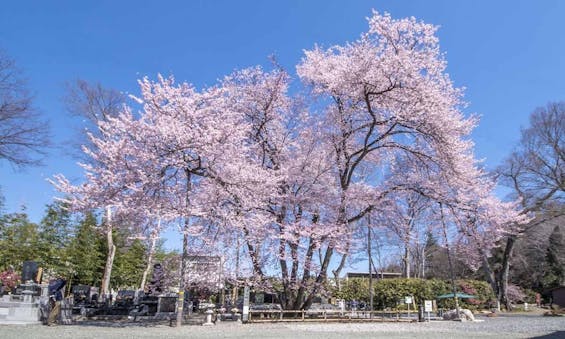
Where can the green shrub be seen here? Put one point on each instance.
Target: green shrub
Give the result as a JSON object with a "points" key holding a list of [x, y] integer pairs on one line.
{"points": [[390, 293]]}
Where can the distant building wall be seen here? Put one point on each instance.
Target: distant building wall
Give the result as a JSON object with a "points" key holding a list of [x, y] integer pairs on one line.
{"points": [[558, 296]]}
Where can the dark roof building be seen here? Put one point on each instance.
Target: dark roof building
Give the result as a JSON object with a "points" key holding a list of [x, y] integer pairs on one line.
{"points": [[558, 296], [376, 275]]}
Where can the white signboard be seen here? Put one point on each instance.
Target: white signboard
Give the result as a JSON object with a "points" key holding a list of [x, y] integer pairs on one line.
{"points": [[407, 300], [428, 306]]}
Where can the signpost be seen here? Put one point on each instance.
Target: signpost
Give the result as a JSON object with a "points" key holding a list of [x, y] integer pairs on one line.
{"points": [[408, 301], [428, 307]]}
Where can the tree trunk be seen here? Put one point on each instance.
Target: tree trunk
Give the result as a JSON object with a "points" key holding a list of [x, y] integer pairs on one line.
{"points": [[325, 262], [285, 297], [305, 275], [337, 271], [149, 260], [489, 274], [321, 278], [254, 255], [423, 269], [504, 273], [406, 261], [105, 290]]}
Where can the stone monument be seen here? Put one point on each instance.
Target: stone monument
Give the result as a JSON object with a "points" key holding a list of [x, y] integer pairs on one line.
{"points": [[23, 305]]}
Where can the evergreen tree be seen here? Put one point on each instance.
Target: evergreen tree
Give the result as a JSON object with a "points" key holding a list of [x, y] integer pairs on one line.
{"points": [[129, 263], [55, 236], [86, 253], [19, 241], [555, 259]]}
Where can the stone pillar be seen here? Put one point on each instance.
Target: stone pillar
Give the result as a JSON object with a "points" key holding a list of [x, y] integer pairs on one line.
{"points": [[44, 290], [209, 313]]}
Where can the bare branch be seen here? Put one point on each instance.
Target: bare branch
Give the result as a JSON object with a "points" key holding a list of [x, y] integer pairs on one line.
{"points": [[24, 137]]}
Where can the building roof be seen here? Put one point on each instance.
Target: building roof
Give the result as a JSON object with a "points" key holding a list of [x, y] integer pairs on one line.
{"points": [[376, 275]]}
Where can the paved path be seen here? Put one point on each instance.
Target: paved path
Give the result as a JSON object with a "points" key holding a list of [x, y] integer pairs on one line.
{"points": [[515, 326]]}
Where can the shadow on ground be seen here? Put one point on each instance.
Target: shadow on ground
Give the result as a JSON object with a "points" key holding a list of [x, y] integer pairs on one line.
{"points": [[554, 335], [139, 323]]}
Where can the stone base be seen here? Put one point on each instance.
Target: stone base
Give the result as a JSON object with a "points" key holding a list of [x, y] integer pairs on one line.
{"points": [[14, 310], [464, 315]]}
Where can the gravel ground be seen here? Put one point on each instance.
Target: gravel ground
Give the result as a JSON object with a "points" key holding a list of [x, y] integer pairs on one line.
{"points": [[506, 326]]}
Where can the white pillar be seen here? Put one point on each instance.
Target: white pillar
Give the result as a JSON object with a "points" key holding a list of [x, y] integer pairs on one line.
{"points": [[209, 313]]}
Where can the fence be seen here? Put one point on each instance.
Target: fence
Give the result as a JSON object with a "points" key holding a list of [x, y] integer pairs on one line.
{"points": [[330, 315]]}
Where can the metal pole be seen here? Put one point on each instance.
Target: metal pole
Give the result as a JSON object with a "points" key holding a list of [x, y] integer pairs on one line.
{"points": [[235, 293], [452, 273], [222, 286], [182, 283], [370, 267], [184, 257]]}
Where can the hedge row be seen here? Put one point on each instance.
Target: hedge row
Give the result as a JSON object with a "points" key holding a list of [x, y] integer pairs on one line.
{"points": [[390, 293]]}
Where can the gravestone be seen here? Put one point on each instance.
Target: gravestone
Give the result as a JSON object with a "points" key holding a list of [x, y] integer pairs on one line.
{"points": [[81, 295], [155, 286], [22, 307], [167, 304], [29, 271]]}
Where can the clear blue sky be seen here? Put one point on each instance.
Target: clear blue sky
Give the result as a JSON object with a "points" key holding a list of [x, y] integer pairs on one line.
{"points": [[510, 55]]}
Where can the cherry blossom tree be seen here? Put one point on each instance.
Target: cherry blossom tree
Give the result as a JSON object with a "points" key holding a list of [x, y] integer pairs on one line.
{"points": [[292, 177], [390, 111], [388, 95], [280, 221], [94, 104], [159, 158]]}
